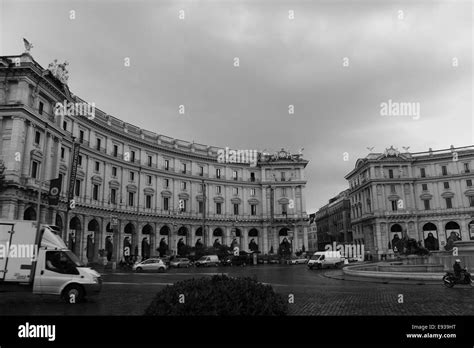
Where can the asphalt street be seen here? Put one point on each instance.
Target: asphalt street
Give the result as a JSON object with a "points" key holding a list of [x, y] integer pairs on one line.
{"points": [[315, 292]]}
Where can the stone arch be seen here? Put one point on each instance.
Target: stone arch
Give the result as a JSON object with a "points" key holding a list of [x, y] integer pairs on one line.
{"points": [[146, 242], [75, 234], [29, 214], [253, 240], [92, 241], [430, 236]]}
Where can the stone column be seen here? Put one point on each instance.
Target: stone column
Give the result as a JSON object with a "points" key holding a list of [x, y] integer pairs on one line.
{"points": [[245, 241], [464, 229], [20, 210], [264, 250]]}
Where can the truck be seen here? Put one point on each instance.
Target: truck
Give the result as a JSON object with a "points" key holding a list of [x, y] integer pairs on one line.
{"points": [[41, 263]]}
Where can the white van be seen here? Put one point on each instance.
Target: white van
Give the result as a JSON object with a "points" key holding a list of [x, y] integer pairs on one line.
{"points": [[208, 260], [321, 259]]}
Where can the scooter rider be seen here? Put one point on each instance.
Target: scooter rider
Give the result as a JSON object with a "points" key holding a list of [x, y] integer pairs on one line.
{"points": [[460, 273]]}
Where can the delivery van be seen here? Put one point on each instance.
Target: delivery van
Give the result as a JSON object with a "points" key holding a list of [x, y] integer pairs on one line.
{"points": [[321, 259], [208, 260], [42, 263]]}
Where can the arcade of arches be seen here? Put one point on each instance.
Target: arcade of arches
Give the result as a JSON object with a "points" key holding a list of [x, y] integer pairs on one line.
{"points": [[91, 237]]}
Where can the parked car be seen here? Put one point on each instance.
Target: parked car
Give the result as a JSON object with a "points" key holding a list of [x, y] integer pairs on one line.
{"points": [[153, 264], [208, 260], [180, 262], [297, 261]]}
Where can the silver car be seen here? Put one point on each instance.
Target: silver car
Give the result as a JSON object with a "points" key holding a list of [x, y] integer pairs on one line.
{"points": [[153, 264]]}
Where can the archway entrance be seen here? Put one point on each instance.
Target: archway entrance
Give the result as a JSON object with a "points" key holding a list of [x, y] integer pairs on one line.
{"points": [[182, 241], [395, 239], [453, 234], [74, 237], [217, 238], [236, 238], [430, 236], [147, 231], [471, 230], [253, 240], [128, 248], [93, 230], [29, 214], [284, 248], [109, 242], [164, 238]]}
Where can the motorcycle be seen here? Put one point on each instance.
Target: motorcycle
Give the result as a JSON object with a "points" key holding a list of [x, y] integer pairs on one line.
{"points": [[449, 279]]}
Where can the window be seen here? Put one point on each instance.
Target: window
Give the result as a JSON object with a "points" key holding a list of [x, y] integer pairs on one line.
{"points": [[390, 173], [449, 203], [132, 176], [183, 185], [444, 170], [422, 172], [114, 171], [253, 209], [81, 136], [115, 151], [99, 141], [97, 166], [252, 176], [466, 168], [218, 173], [218, 190], [166, 203], [37, 137], [131, 196], [60, 262], [113, 196], [79, 160], [62, 152], [201, 207], [95, 192], [424, 187], [41, 107], [167, 182], [446, 185], [148, 179], [471, 201], [148, 202], [65, 125], [252, 192], [284, 210], [132, 156], [236, 209], [77, 188], [235, 190], [201, 171], [218, 208], [34, 169], [167, 165], [394, 206], [234, 175], [283, 176], [183, 167], [392, 189], [469, 182], [427, 204], [150, 161]]}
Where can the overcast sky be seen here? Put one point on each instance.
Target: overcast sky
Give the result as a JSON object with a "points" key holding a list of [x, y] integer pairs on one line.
{"points": [[403, 51]]}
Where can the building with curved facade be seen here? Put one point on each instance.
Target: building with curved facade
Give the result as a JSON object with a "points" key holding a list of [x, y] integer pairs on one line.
{"points": [[428, 196], [134, 187]]}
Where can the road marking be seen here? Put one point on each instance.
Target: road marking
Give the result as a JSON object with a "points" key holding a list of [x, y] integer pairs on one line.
{"points": [[274, 284], [154, 273], [123, 283]]}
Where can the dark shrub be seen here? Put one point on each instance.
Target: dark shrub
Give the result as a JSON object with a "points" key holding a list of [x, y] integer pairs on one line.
{"points": [[219, 295]]}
